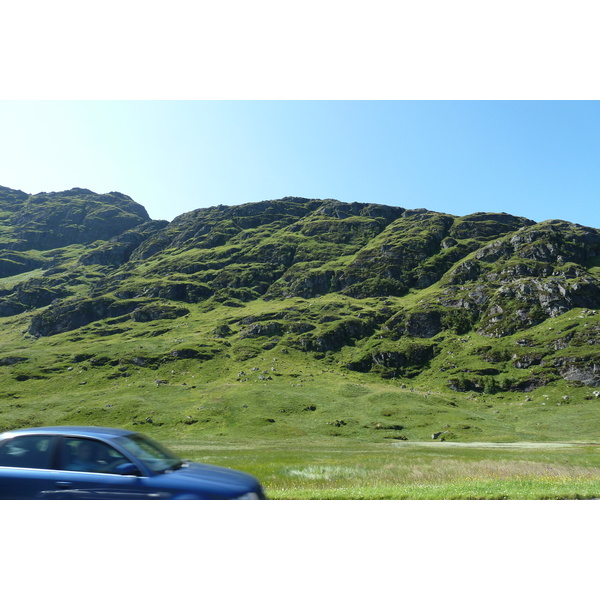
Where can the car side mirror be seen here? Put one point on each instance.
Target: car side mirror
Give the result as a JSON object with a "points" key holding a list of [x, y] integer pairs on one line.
{"points": [[127, 469]]}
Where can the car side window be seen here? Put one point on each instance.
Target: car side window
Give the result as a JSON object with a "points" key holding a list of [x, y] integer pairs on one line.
{"points": [[89, 455], [27, 452]]}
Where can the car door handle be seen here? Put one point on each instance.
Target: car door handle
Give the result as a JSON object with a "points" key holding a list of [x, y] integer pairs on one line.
{"points": [[64, 484]]}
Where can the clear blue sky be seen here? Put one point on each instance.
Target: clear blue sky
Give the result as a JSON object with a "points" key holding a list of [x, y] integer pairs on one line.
{"points": [[538, 159]]}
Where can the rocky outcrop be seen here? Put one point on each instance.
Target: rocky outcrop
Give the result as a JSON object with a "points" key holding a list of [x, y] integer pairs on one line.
{"points": [[582, 370], [69, 315], [118, 250], [261, 330], [156, 312], [169, 290], [528, 302], [78, 216], [341, 333], [406, 361]]}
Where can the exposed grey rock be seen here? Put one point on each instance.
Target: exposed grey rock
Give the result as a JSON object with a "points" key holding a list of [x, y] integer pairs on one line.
{"points": [[261, 329], [423, 324], [573, 369], [155, 312]]}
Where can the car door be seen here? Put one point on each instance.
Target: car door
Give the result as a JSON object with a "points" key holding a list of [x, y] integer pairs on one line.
{"points": [[100, 478], [26, 466]]}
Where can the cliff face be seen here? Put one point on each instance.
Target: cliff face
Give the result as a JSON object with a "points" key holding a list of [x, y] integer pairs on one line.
{"points": [[58, 219], [403, 285]]}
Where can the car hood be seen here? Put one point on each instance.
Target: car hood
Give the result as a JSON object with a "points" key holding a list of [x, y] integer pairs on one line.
{"points": [[222, 480]]}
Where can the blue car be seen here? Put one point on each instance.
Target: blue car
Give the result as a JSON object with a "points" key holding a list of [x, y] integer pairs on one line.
{"points": [[102, 463]]}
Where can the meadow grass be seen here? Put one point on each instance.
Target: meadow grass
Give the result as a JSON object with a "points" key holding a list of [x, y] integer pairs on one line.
{"points": [[340, 469]]}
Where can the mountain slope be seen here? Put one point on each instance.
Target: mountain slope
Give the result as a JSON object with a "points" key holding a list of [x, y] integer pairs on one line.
{"points": [[481, 304]]}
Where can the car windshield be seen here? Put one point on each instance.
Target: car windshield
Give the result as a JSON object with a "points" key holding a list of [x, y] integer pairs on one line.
{"points": [[151, 453]]}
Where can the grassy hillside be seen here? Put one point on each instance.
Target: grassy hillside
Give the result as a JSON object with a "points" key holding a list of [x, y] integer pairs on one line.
{"points": [[308, 325], [204, 375]]}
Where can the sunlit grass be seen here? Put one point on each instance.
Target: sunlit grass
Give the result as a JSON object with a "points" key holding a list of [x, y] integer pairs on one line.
{"points": [[338, 470], [516, 489], [10, 282]]}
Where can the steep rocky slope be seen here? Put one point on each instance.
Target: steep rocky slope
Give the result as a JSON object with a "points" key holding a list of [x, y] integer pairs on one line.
{"points": [[58, 219], [480, 302]]}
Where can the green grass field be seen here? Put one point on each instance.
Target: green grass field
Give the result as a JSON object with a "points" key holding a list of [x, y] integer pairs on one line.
{"points": [[344, 469]]}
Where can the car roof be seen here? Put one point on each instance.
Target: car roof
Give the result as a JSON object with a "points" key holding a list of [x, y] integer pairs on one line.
{"points": [[91, 431]]}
